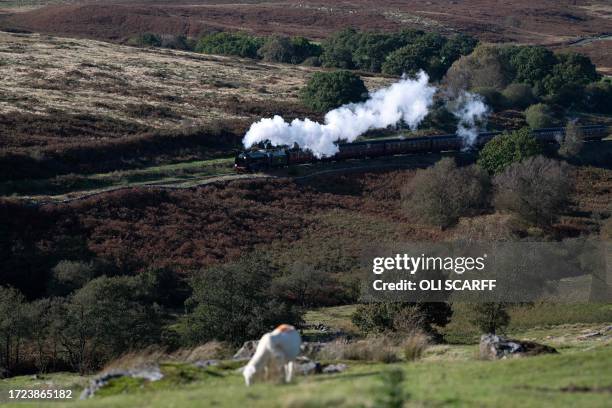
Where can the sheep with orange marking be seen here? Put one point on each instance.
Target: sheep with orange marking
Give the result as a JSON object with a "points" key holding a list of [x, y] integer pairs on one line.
{"points": [[275, 354]]}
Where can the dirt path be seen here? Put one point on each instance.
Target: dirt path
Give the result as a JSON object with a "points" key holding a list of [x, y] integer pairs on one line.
{"points": [[215, 179]]}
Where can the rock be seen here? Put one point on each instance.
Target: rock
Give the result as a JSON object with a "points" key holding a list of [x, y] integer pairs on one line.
{"points": [[602, 332], [308, 368], [151, 373], [589, 336], [334, 368], [206, 363], [494, 347]]}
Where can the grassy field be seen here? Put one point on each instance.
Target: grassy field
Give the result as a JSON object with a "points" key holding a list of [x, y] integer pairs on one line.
{"points": [[447, 374], [576, 376], [174, 174]]}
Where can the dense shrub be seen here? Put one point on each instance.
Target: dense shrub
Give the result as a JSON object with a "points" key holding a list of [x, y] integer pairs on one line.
{"points": [[487, 66], [506, 149], [490, 317], [424, 53], [539, 116], [338, 49], [537, 189], [70, 275], [518, 96], [304, 49], [307, 286], [240, 44], [277, 49], [443, 193], [177, 42], [532, 64], [234, 303], [406, 51], [492, 97], [379, 317], [288, 50], [146, 40], [571, 69], [597, 97], [440, 117], [373, 49], [328, 90]]}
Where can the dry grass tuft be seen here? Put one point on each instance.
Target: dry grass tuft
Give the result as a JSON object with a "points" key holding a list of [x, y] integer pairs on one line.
{"points": [[380, 349], [153, 356]]}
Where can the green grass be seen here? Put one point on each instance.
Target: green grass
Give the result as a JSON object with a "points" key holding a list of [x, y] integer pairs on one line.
{"points": [[179, 173], [535, 318], [528, 382]]}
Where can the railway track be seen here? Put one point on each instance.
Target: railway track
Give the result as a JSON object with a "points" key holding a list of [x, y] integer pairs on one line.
{"points": [[214, 179]]}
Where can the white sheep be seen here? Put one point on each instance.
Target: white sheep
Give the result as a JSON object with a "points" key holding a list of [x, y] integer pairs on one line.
{"points": [[274, 355]]}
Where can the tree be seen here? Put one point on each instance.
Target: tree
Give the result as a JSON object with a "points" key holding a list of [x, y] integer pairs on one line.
{"points": [[146, 40], [406, 60], [537, 189], [490, 317], [457, 46], [338, 49], [239, 44], [107, 317], [539, 116], [443, 193], [597, 97], [70, 275], [45, 322], [329, 90], [532, 64], [304, 49], [277, 49], [422, 54], [506, 149], [492, 97], [518, 96], [234, 303], [372, 50], [307, 286], [487, 66], [176, 42], [572, 142], [13, 326], [572, 69]]}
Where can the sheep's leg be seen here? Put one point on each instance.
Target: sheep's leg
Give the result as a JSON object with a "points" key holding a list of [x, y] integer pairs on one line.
{"points": [[288, 371]]}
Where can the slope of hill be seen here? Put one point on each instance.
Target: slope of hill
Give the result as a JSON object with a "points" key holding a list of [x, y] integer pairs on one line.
{"points": [[543, 22], [494, 20], [95, 101]]}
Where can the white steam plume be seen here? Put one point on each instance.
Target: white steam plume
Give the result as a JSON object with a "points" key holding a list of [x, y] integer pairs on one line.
{"points": [[408, 100], [471, 111]]}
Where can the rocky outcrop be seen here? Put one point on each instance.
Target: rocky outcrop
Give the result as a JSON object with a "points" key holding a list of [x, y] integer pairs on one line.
{"points": [[152, 373], [493, 347]]}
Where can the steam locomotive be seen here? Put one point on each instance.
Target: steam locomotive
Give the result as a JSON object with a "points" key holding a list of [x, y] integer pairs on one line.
{"points": [[272, 157]]}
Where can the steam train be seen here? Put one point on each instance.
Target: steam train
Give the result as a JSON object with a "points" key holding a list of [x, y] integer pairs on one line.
{"points": [[262, 158]]}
